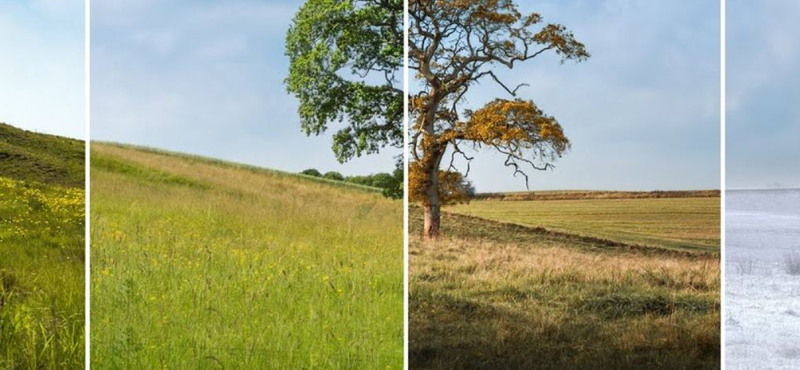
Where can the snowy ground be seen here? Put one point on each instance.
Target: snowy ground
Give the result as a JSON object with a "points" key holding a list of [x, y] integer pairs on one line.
{"points": [[762, 297]]}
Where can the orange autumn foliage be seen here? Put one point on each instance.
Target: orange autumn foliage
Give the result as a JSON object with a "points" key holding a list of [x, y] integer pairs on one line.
{"points": [[452, 186], [506, 122]]}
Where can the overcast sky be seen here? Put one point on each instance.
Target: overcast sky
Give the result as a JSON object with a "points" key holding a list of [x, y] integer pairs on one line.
{"points": [[763, 118], [41, 68], [642, 113], [205, 77]]}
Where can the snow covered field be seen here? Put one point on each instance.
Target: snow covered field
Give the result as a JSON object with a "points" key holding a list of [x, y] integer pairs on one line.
{"points": [[762, 291]]}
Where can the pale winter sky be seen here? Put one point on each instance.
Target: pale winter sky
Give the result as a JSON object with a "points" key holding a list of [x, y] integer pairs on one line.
{"points": [[205, 77], [42, 69], [763, 117]]}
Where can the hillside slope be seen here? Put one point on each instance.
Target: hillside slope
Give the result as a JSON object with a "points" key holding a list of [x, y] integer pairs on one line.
{"points": [[41, 251], [49, 159], [203, 264]]}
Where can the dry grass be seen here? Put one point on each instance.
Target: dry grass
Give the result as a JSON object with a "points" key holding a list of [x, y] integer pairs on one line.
{"points": [[500, 298]]}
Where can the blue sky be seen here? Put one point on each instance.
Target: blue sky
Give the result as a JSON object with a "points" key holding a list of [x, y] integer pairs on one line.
{"points": [[642, 113], [41, 69], [763, 117], [205, 77]]}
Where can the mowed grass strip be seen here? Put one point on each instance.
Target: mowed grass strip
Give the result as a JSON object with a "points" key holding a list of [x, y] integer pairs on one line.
{"points": [[206, 266], [687, 224], [494, 296]]}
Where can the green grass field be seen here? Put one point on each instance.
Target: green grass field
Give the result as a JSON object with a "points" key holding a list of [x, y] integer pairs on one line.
{"points": [[688, 224], [41, 251], [204, 265], [497, 295]]}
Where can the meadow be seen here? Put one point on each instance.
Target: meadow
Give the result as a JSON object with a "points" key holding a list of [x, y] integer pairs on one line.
{"points": [[678, 223], [498, 295], [203, 264], [41, 252]]}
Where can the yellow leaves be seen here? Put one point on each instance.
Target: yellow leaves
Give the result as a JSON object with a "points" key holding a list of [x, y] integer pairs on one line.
{"points": [[556, 36], [514, 122], [417, 182], [513, 127], [451, 185], [496, 11]]}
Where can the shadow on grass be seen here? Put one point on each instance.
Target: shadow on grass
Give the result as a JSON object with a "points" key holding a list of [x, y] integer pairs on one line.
{"points": [[473, 318], [458, 333]]}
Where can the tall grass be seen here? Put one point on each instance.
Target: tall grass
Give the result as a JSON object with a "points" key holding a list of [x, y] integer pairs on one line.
{"points": [[204, 266], [41, 276], [493, 296], [744, 266], [791, 263]]}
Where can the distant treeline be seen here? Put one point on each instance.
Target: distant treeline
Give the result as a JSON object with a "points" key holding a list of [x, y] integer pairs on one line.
{"points": [[596, 194], [391, 184]]}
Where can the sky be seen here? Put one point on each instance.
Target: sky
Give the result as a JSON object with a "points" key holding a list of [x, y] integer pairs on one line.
{"points": [[642, 113], [42, 69], [206, 77], [763, 114]]}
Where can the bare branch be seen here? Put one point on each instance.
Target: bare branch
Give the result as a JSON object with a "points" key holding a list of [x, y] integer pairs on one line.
{"points": [[512, 92]]}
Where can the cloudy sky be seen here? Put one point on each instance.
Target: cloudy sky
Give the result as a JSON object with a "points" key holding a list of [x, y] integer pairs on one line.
{"points": [[41, 68], [763, 118], [205, 77], [642, 113]]}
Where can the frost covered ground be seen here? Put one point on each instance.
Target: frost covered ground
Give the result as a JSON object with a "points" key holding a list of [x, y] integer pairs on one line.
{"points": [[762, 295]]}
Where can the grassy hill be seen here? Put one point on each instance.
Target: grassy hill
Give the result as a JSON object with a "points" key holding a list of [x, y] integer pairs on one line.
{"points": [[48, 159], [41, 251], [203, 264], [499, 295]]}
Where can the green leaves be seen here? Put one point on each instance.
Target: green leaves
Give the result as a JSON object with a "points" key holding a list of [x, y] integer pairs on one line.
{"points": [[345, 57]]}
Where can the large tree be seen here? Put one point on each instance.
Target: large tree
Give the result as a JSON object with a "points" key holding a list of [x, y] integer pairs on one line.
{"points": [[454, 45], [345, 58]]}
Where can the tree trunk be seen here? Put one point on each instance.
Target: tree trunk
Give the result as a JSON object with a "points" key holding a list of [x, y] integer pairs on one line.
{"points": [[432, 219], [432, 157], [433, 202]]}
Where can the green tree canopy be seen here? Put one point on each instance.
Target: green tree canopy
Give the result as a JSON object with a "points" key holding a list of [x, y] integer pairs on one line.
{"points": [[312, 172], [333, 175], [345, 58]]}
